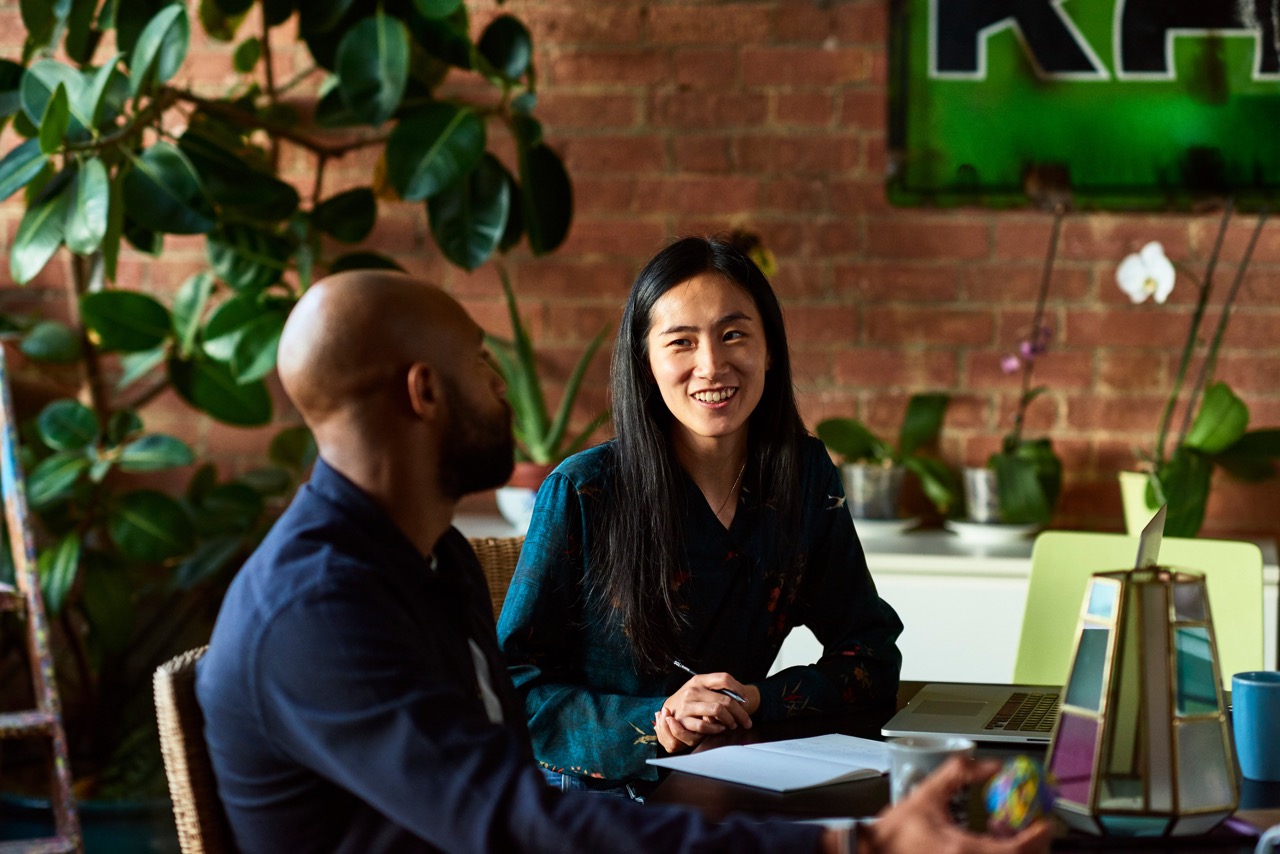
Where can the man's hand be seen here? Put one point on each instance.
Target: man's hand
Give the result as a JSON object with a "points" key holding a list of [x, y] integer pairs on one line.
{"points": [[922, 821]]}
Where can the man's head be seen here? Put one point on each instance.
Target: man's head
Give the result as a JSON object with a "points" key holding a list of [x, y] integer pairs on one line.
{"points": [[383, 367]]}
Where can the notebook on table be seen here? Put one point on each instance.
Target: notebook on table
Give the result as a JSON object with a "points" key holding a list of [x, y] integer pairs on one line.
{"points": [[1012, 714]]}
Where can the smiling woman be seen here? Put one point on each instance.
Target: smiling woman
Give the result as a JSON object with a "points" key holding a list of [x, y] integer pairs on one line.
{"points": [[711, 526]]}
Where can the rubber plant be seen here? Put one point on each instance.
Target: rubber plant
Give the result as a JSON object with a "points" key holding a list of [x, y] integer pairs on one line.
{"points": [[111, 149]]}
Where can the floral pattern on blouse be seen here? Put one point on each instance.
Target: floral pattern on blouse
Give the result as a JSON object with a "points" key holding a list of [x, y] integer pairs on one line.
{"points": [[582, 692]]}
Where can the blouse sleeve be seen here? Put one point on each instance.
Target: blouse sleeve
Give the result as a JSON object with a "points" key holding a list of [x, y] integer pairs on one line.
{"points": [[838, 601], [575, 727]]}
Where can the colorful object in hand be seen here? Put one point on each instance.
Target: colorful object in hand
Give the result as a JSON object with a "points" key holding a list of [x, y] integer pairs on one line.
{"points": [[1017, 795]]}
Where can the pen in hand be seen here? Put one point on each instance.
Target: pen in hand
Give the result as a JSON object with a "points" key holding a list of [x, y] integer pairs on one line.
{"points": [[733, 695]]}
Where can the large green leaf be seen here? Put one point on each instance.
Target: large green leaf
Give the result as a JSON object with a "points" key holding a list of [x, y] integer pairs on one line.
{"points": [[102, 87], [227, 323], [246, 258], [431, 148], [293, 448], [936, 479], [277, 12], [348, 216], [507, 46], [54, 477], [55, 121], [363, 261], [445, 39], [232, 184], [19, 166], [131, 17], [135, 366], [922, 422], [51, 341], [40, 232], [1021, 496], [115, 228], [41, 80], [220, 23], [373, 66], [163, 193], [108, 605], [852, 441], [1253, 456], [1183, 483], [469, 216], [41, 18], [547, 196], [255, 352], [319, 16], [155, 452], [437, 8], [160, 49], [57, 567], [151, 527], [188, 308], [10, 81], [228, 508], [127, 321], [87, 216], [82, 37], [209, 386], [1222, 419], [67, 425], [209, 559]]}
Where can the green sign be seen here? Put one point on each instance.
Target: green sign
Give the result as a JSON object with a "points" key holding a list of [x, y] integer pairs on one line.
{"points": [[1122, 104]]}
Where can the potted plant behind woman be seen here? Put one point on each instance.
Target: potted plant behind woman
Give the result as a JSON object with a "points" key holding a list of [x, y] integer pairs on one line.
{"points": [[542, 439], [873, 468]]}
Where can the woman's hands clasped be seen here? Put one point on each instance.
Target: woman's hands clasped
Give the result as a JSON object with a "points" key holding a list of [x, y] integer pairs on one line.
{"points": [[698, 710]]}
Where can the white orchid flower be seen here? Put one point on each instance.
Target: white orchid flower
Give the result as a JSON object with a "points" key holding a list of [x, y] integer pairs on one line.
{"points": [[1147, 273]]}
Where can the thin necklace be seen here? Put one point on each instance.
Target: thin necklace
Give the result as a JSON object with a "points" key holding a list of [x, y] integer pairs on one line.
{"points": [[736, 481]]}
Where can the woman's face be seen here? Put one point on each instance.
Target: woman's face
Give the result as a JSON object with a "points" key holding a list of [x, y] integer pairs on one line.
{"points": [[708, 355]]}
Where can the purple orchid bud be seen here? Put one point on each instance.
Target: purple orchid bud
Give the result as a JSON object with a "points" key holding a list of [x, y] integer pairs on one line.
{"points": [[1010, 363]]}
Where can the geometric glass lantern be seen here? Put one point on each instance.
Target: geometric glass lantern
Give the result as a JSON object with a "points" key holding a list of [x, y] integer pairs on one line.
{"points": [[1142, 746]]}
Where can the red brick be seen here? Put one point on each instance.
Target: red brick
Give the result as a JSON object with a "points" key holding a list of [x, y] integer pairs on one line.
{"points": [[579, 323], [805, 109], [791, 66], [1056, 371], [817, 325], [875, 283], [794, 196], [1133, 328], [554, 278], [700, 194], [1132, 411], [922, 236], [1134, 370], [1249, 375], [611, 67], [858, 196], [822, 155], [571, 23], [1106, 237], [706, 68], [604, 195], [866, 109], [933, 326], [629, 237], [1011, 283], [887, 367], [701, 153], [834, 240], [745, 23], [560, 110], [797, 279], [711, 110], [613, 154]]}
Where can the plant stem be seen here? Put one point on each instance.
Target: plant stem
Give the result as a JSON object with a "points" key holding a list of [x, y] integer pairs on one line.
{"points": [[1166, 417], [84, 272], [1015, 435], [1211, 357]]}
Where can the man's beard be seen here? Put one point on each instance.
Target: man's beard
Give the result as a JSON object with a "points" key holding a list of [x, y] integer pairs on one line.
{"points": [[477, 452]]}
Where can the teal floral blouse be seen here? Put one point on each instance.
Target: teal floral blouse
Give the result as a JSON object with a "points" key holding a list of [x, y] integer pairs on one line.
{"points": [[591, 713]]}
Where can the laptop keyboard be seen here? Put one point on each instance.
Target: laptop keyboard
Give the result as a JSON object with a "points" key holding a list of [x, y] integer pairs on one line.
{"points": [[1024, 712]]}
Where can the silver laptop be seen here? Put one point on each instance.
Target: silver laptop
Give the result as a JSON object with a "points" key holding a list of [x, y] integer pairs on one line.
{"points": [[1018, 714]]}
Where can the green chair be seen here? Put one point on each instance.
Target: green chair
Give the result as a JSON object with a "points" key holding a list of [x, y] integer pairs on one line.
{"points": [[1063, 561]]}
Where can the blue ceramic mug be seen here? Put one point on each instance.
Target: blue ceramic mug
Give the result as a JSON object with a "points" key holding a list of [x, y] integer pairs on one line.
{"points": [[1255, 711]]}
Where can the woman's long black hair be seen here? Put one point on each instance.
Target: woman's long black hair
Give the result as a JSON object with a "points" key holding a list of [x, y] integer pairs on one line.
{"points": [[639, 545]]}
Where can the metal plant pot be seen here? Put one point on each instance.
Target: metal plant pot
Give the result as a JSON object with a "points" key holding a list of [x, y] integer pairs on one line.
{"points": [[872, 490], [981, 497]]}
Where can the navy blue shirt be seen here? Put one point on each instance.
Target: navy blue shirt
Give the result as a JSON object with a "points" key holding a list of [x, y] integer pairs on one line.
{"points": [[343, 712]]}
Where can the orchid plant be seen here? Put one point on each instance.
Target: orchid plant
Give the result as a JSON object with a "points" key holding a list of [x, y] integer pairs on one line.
{"points": [[1215, 421], [1028, 472]]}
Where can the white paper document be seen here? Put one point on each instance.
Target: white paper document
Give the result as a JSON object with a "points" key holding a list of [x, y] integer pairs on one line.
{"points": [[783, 766]]}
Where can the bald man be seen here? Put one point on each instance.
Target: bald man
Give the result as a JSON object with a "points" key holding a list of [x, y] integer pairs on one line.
{"points": [[353, 691]]}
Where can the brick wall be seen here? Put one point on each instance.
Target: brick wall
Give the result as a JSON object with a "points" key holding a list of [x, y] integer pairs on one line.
{"points": [[680, 117]]}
